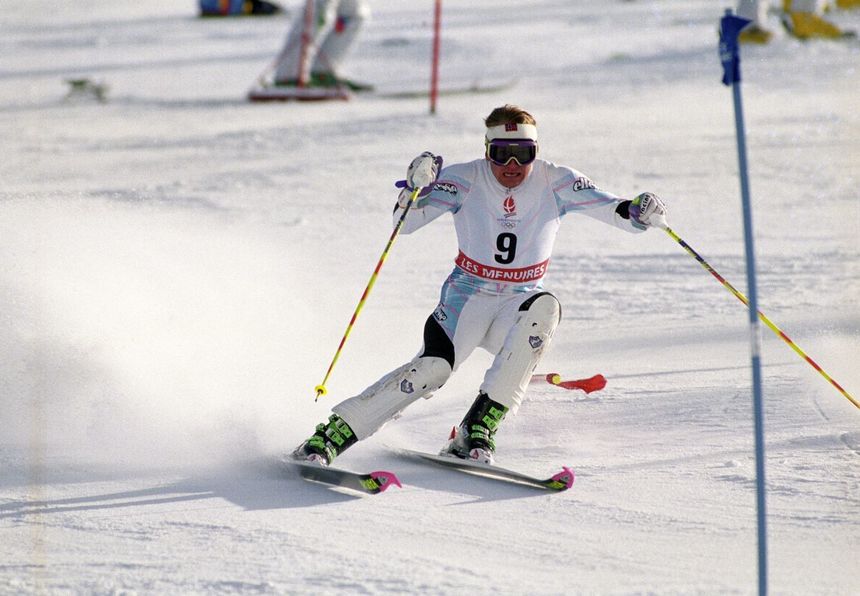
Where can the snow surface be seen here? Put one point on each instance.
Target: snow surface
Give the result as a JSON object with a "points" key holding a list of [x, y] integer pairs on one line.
{"points": [[178, 267]]}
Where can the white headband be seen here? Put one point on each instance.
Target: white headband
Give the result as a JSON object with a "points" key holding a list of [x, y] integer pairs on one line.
{"points": [[512, 131]]}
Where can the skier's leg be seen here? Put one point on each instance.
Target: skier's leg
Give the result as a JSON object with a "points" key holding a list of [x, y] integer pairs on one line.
{"points": [[367, 412], [507, 379], [289, 62], [348, 20], [451, 333], [505, 382], [756, 31], [754, 10], [360, 416]]}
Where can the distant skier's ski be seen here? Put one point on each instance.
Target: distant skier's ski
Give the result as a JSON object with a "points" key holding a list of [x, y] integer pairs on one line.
{"points": [[267, 91], [372, 483], [563, 480], [271, 92]]}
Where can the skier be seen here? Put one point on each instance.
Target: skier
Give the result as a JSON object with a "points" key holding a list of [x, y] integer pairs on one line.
{"points": [[507, 209], [319, 53]]}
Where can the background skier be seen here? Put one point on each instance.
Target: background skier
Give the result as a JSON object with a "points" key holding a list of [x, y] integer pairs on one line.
{"points": [[318, 53]]}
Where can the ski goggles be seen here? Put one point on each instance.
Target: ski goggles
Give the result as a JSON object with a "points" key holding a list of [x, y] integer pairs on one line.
{"points": [[502, 151]]}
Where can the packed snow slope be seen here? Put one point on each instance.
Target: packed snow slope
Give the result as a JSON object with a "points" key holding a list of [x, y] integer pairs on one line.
{"points": [[178, 267]]}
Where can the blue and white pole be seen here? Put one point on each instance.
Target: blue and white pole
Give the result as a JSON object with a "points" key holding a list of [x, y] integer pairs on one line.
{"points": [[730, 27]]}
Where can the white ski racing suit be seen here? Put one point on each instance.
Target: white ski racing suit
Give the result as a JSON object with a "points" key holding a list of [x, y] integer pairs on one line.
{"points": [[505, 238]]}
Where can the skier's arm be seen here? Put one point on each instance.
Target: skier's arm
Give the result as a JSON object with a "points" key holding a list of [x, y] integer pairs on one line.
{"points": [[431, 203], [574, 192]]}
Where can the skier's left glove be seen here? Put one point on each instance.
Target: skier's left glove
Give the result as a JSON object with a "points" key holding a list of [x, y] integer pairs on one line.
{"points": [[648, 210]]}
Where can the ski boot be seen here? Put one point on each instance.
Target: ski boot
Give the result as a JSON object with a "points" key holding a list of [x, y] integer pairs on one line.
{"points": [[804, 21], [330, 440], [752, 33], [473, 439], [325, 79]]}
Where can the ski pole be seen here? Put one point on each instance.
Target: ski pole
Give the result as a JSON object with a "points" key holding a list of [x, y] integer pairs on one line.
{"points": [[321, 388], [779, 332]]}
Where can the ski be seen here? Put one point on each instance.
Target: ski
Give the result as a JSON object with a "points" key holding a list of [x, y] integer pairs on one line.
{"points": [[560, 481], [371, 483], [595, 383], [271, 93]]}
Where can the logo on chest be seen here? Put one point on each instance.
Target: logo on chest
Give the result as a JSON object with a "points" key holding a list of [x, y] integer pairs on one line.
{"points": [[509, 209]]}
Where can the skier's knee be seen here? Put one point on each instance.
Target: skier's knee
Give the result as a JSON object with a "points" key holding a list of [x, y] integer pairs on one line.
{"points": [[428, 374], [543, 309]]}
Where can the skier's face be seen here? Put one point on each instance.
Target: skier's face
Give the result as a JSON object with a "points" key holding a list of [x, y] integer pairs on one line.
{"points": [[511, 174]]}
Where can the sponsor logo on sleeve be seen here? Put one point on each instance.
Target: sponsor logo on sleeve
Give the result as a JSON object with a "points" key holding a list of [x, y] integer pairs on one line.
{"points": [[582, 183], [448, 187]]}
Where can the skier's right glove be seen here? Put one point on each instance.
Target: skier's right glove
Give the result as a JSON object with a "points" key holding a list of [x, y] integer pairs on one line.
{"points": [[422, 173]]}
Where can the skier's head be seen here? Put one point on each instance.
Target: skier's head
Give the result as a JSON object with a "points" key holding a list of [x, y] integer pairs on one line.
{"points": [[510, 144]]}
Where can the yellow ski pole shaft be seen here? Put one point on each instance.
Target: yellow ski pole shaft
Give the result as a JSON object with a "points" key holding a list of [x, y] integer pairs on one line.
{"points": [[779, 332], [321, 388]]}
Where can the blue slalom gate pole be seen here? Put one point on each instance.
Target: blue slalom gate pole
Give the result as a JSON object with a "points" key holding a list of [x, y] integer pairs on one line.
{"points": [[730, 27]]}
